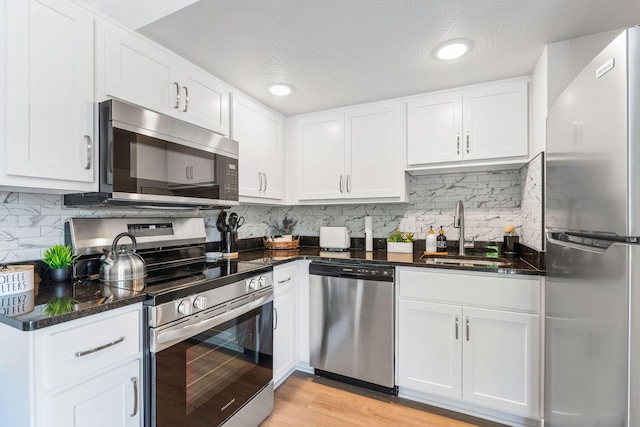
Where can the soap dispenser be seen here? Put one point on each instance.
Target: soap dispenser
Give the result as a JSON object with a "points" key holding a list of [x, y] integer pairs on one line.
{"points": [[441, 240], [431, 241]]}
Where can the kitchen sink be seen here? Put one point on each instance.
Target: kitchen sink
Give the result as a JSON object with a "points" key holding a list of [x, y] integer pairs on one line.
{"points": [[468, 262]]}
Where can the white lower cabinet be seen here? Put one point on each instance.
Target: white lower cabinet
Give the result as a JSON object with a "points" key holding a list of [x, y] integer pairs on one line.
{"points": [[84, 372], [110, 400], [285, 354], [448, 346]]}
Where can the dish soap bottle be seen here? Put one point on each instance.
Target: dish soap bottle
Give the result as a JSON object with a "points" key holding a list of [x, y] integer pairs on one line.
{"points": [[431, 241], [441, 241]]}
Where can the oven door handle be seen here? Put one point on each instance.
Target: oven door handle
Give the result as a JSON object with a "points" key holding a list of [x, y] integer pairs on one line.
{"points": [[171, 336]]}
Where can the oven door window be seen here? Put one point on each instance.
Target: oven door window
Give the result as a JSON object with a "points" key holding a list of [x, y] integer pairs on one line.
{"points": [[205, 379], [146, 165]]}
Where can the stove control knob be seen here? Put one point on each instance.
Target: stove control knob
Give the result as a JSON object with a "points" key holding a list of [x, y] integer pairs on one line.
{"points": [[262, 281], [253, 284], [184, 307], [200, 303]]}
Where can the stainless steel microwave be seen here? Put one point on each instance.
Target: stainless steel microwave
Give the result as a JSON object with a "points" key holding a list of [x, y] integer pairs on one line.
{"points": [[149, 159]]}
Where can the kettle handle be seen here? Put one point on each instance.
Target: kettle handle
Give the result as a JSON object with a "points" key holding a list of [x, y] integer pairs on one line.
{"points": [[119, 236]]}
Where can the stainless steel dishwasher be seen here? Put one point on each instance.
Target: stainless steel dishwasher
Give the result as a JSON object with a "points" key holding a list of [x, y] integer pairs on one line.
{"points": [[351, 323]]}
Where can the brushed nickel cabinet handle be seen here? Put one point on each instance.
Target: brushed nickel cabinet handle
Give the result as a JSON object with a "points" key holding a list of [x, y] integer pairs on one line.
{"points": [[186, 99], [467, 142], [467, 329], [349, 183], [177, 95], [260, 178], [102, 347], [134, 380], [275, 318], [341, 179], [457, 324], [87, 140], [186, 172], [288, 279], [265, 181], [191, 171], [458, 142]]}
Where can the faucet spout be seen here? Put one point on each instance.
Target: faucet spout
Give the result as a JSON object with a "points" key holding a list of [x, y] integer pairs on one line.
{"points": [[458, 222]]}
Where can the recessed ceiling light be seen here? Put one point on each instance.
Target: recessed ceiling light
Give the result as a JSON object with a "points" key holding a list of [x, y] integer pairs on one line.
{"points": [[280, 89], [452, 49]]}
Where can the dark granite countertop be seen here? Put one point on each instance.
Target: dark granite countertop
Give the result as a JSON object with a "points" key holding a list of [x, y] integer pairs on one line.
{"points": [[26, 311], [517, 265]]}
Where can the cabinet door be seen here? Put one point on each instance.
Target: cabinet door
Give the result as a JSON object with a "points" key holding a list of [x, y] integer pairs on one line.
{"points": [[430, 347], [434, 124], [270, 155], [284, 344], [204, 101], [113, 399], [140, 73], [374, 160], [322, 144], [244, 129], [501, 361], [49, 87], [495, 121]]}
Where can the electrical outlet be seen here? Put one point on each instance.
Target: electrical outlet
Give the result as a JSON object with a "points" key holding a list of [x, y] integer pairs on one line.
{"points": [[408, 225]]}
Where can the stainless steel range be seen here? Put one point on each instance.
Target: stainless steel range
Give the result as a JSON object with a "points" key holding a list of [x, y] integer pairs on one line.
{"points": [[209, 337]]}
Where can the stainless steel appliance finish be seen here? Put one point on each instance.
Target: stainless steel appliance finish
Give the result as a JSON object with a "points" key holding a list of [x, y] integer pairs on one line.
{"points": [[123, 268], [592, 356], [352, 322], [149, 159], [209, 325], [95, 235]]}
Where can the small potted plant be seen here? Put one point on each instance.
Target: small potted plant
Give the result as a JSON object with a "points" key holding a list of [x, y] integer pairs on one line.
{"points": [[59, 258], [400, 242], [284, 230]]}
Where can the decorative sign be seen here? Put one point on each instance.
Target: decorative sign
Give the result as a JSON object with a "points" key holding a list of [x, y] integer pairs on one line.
{"points": [[15, 279]]}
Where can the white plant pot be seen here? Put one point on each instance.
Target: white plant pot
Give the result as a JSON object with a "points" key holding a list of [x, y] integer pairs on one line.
{"points": [[400, 247]]}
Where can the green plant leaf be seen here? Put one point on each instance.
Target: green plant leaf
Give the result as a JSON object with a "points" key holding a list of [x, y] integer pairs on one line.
{"points": [[59, 305], [59, 256]]}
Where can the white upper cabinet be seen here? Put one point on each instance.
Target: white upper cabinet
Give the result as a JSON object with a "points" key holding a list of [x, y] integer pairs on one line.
{"points": [[48, 108], [481, 124], [352, 154], [260, 134], [141, 73], [321, 139]]}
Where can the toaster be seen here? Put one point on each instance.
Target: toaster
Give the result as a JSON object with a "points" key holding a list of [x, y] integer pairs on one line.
{"points": [[335, 238]]}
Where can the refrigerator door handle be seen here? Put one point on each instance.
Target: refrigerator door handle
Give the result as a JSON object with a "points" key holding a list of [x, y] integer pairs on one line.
{"points": [[592, 242]]}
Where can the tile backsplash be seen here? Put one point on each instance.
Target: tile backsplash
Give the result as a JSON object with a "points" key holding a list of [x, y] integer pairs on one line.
{"points": [[29, 223]]}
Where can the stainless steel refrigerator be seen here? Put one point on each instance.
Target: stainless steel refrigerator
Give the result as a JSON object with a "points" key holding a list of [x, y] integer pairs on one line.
{"points": [[592, 216]]}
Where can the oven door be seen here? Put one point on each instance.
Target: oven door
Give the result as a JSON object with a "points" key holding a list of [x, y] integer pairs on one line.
{"points": [[204, 379]]}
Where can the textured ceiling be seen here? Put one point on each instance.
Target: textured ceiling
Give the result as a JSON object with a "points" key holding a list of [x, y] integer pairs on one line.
{"points": [[344, 52]]}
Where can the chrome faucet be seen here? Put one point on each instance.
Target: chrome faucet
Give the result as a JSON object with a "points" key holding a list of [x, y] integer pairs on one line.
{"points": [[458, 222]]}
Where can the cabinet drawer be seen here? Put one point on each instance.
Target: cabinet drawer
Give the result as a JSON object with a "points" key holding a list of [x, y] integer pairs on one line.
{"points": [[284, 279], [506, 292], [90, 348]]}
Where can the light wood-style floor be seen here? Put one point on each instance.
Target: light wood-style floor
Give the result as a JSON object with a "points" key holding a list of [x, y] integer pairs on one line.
{"points": [[312, 401]]}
